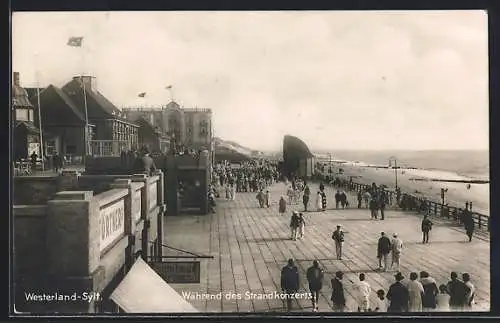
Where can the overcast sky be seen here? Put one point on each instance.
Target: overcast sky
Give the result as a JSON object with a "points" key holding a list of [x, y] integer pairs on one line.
{"points": [[337, 80]]}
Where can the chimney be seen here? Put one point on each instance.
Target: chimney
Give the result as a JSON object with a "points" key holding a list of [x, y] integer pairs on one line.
{"points": [[88, 80], [16, 79]]}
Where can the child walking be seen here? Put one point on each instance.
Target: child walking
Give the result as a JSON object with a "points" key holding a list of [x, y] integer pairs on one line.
{"points": [[381, 305]]}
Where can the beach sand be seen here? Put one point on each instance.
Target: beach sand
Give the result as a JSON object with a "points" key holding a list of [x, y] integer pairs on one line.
{"points": [[456, 195]]}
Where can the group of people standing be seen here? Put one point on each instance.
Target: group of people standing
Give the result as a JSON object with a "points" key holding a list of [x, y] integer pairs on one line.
{"points": [[415, 295], [247, 177], [425, 295], [376, 199]]}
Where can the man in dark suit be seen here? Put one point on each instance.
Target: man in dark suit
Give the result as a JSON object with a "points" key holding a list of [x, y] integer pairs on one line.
{"points": [[337, 199], [338, 297], [398, 295], [315, 279], [383, 250], [148, 163], [382, 202], [468, 223], [426, 228], [289, 282], [307, 194], [457, 291]]}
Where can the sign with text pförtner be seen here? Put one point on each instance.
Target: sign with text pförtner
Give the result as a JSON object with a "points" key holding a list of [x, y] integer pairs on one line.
{"points": [[111, 223], [178, 272]]}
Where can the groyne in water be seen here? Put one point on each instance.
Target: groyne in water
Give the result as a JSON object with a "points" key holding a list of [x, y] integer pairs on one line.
{"points": [[472, 181]]}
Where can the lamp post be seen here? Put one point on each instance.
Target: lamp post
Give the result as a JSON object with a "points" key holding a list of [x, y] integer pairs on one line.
{"points": [[393, 158], [443, 191], [330, 170]]}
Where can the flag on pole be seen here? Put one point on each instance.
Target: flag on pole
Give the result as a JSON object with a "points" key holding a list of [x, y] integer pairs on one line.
{"points": [[75, 41], [141, 95], [168, 87]]}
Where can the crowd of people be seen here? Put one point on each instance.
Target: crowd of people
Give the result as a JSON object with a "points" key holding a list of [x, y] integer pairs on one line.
{"points": [[420, 293], [250, 176]]}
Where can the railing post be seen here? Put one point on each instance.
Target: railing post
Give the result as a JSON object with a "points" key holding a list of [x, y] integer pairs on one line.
{"points": [[72, 241]]}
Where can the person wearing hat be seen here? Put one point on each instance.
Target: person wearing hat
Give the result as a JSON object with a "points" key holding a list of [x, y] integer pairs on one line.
{"points": [[338, 297], [398, 295], [430, 291], [338, 237], [383, 250], [148, 163], [396, 248], [426, 228], [289, 282], [315, 279], [458, 292]]}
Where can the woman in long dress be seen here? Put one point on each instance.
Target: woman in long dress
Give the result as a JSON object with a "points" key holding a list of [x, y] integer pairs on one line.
{"points": [[319, 201], [282, 206], [323, 201], [290, 193], [415, 290]]}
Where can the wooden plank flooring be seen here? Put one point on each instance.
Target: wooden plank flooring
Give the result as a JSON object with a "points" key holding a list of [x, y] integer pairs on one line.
{"points": [[250, 245]]}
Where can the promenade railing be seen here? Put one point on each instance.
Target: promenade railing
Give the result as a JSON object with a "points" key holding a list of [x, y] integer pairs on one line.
{"points": [[420, 204]]}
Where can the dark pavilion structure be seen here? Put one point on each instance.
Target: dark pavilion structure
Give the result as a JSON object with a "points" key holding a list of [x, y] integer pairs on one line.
{"points": [[298, 161]]}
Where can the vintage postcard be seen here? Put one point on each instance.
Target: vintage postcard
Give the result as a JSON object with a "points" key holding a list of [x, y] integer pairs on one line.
{"points": [[321, 162]]}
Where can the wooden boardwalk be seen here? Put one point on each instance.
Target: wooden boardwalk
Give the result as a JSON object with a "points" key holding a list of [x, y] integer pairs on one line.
{"points": [[250, 245]]}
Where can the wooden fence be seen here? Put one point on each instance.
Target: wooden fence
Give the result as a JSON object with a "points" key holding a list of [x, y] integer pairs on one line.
{"points": [[420, 204]]}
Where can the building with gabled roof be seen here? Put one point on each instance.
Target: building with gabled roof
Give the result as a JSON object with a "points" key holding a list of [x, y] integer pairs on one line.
{"points": [[64, 116], [63, 120], [110, 122], [26, 135]]}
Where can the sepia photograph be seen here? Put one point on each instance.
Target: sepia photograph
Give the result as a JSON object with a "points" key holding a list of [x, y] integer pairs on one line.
{"points": [[277, 162]]}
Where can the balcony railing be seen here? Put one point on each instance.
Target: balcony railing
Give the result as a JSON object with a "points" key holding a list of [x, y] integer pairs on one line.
{"points": [[101, 148]]}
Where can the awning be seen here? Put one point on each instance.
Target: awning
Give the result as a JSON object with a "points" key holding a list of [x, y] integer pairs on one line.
{"points": [[144, 291], [30, 127]]}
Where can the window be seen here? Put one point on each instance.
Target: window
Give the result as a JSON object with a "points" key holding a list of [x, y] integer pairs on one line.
{"points": [[22, 114], [31, 115], [50, 147]]}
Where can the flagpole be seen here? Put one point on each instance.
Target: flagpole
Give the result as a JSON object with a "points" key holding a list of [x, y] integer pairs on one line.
{"points": [[169, 88], [42, 151], [86, 133]]}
